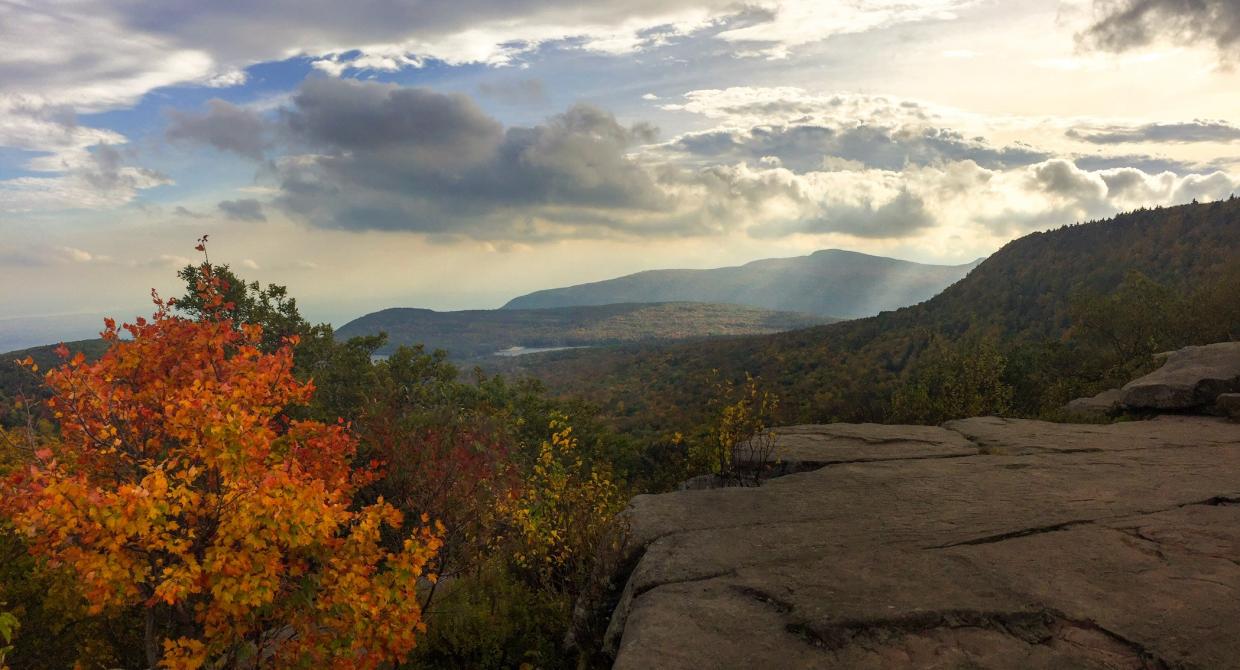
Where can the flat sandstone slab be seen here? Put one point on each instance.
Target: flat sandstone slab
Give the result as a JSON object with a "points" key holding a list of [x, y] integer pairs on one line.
{"points": [[1061, 546]]}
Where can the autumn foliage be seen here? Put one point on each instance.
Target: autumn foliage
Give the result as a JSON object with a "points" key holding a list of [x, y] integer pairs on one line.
{"points": [[562, 512], [180, 487]]}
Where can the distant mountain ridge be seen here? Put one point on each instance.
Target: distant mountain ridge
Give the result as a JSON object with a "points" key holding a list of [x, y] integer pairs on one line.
{"points": [[479, 333], [23, 332], [830, 282], [846, 371]]}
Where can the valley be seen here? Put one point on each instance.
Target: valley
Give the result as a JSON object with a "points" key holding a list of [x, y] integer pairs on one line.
{"points": [[481, 334]]}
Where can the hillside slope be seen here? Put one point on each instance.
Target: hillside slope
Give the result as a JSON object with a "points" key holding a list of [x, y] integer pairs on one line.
{"points": [[831, 282], [846, 371], [478, 333], [16, 380]]}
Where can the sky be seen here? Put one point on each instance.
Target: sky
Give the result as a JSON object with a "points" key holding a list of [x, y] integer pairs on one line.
{"points": [[454, 155]]}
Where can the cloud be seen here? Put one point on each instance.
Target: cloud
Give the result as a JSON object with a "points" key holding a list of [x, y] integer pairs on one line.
{"points": [[54, 130], [1131, 24], [106, 172], [95, 178], [42, 255], [1216, 186], [108, 54], [357, 156], [73, 166], [242, 210], [1143, 162], [757, 105], [1063, 180], [88, 58], [379, 156], [390, 123], [1168, 133], [224, 126], [1058, 192], [370, 156], [171, 261], [899, 217], [804, 148], [791, 24]]}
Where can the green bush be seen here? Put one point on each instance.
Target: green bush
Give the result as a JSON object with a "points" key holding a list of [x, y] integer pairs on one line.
{"points": [[492, 619]]}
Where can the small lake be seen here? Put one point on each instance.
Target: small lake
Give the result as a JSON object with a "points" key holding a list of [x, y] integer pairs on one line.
{"points": [[511, 352]]}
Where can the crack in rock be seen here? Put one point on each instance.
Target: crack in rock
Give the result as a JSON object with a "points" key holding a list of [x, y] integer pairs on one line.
{"points": [[781, 606], [1041, 627], [1037, 530], [637, 593], [1024, 532]]}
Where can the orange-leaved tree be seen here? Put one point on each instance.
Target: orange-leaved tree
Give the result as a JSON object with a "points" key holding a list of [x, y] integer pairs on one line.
{"points": [[180, 488]]}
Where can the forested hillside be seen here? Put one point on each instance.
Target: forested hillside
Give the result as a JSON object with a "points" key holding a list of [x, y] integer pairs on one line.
{"points": [[830, 282], [16, 381], [478, 333], [1020, 303]]}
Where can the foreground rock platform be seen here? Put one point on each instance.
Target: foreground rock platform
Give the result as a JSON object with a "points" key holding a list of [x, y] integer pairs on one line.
{"points": [[988, 543]]}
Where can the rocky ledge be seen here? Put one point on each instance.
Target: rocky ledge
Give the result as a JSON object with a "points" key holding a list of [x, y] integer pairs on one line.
{"points": [[986, 542]]}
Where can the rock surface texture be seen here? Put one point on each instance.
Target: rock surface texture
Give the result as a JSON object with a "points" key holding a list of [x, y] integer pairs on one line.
{"points": [[1191, 377], [987, 543], [1229, 404]]}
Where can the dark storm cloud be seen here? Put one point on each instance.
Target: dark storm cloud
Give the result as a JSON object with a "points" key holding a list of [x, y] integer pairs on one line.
{"points": [[389, 157], [804, 148], [224, 126], [351, 116], [243, 210], [1166, 133], [1126, 24]]}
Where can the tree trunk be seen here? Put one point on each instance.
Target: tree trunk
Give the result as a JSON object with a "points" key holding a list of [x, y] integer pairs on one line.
{"points": [[151, 640]]}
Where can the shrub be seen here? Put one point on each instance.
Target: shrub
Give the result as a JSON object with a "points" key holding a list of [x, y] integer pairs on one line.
{"points": [[739, 447]]}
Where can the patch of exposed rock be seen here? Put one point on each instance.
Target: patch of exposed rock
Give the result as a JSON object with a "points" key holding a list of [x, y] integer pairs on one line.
{"points": [[1190, 378], [1096, 408], [986, 543]]}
